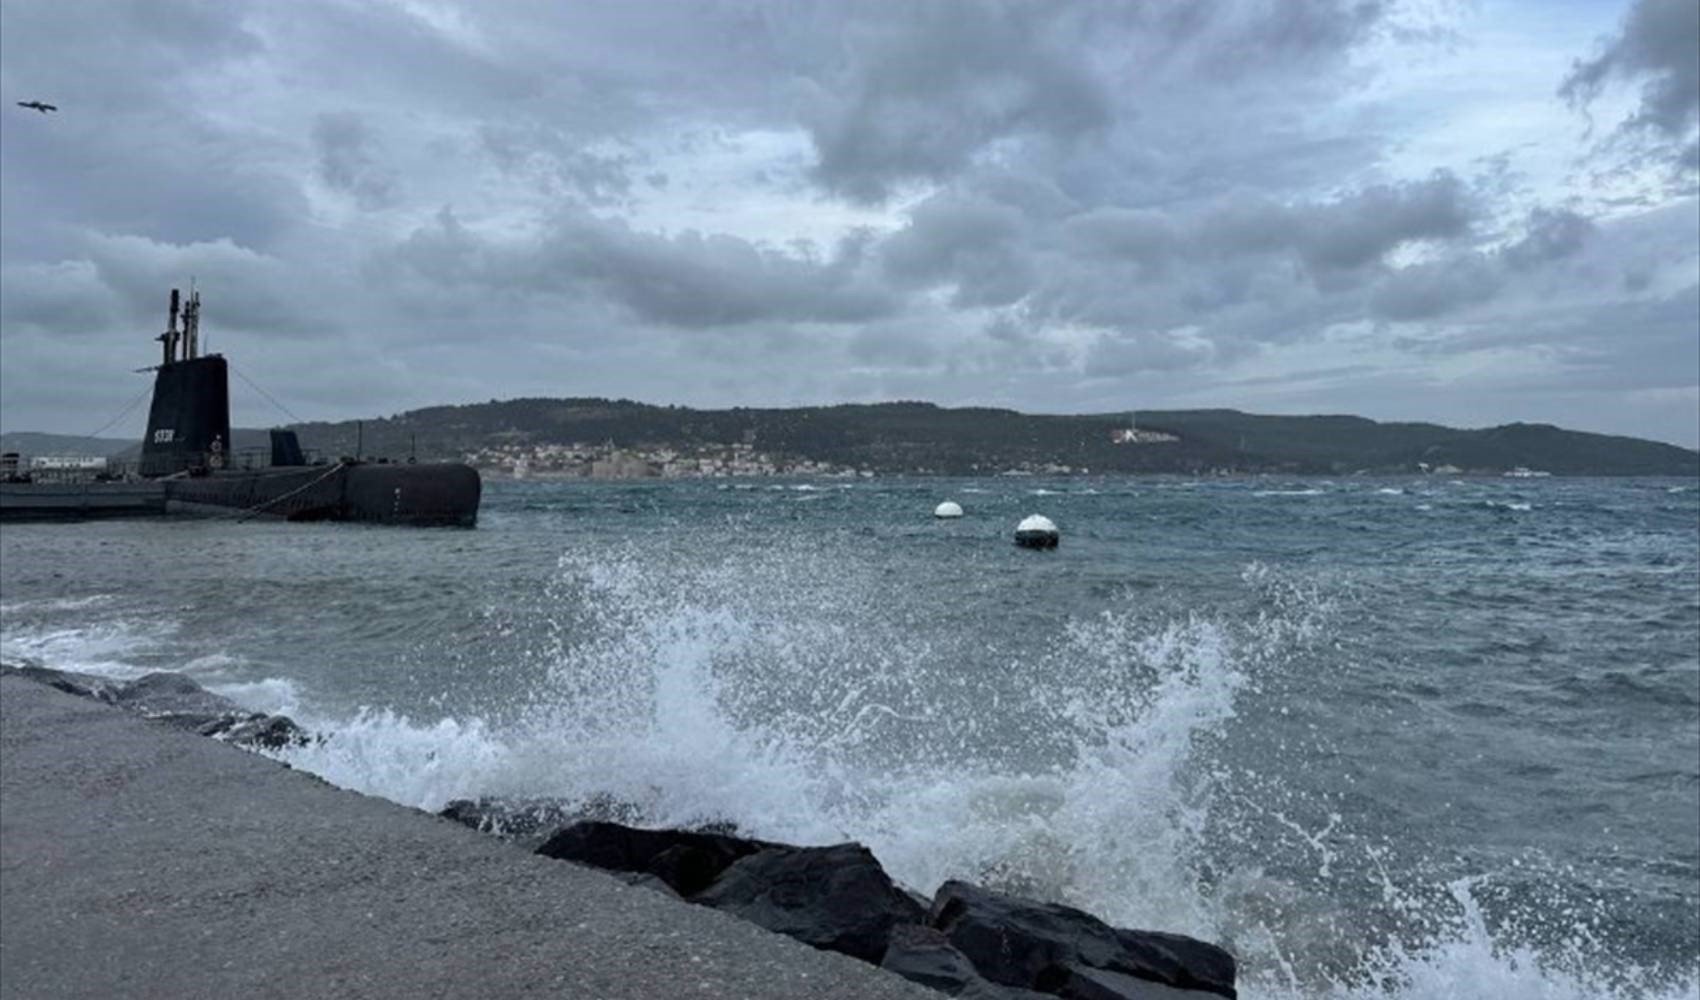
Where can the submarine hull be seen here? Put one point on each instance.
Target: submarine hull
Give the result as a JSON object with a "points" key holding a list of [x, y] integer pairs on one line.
{"points": [[437, 494]]}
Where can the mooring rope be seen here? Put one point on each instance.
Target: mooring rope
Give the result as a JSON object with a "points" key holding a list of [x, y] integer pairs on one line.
{"points": [[252, 511], [121, 413], [286, 410]]}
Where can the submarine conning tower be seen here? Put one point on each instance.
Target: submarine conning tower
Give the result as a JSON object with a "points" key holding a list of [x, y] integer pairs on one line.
{"points": [[189, 421]]}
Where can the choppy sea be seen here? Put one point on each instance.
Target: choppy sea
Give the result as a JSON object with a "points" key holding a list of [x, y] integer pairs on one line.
{"points": [[1381, 737]]}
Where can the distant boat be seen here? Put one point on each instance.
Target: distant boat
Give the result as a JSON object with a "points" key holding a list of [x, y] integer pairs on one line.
{"points": [[1524, 472], [185, 457]]}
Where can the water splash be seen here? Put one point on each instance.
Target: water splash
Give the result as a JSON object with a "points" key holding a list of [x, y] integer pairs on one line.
{"points": [[1470, 960], [114, 647], [790, 693]]}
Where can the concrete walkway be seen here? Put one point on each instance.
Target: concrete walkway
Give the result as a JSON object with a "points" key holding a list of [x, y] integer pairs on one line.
{"points": [[140, 861]]}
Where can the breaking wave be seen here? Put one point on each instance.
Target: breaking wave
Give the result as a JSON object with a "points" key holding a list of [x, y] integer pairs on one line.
{"points": [[787, 691]]}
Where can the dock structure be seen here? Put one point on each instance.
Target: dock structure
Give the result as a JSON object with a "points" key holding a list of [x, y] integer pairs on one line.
{"points": [[79, 500]]}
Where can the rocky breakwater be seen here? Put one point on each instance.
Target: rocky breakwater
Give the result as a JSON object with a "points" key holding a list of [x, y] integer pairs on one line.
{"points": [[175, 700], [965, 941]]}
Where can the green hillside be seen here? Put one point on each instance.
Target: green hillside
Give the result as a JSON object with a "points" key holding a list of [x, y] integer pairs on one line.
{"points": [[1343, 444], [922, 438]]}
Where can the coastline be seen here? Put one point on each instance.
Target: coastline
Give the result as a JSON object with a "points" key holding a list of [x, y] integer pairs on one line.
{"points": [[140, 860]]}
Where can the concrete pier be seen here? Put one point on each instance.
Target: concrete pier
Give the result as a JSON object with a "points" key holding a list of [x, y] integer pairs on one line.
{"points": [[140, 861]]}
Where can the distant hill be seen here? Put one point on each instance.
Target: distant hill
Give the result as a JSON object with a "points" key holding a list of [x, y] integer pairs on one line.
{"points": [[33, 443], [1343, 444], [921, 438]]}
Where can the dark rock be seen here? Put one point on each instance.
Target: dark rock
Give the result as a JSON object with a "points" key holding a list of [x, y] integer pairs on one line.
{"points": [[1012, 940], [723, 827], [686, 860], [164, 693], [206, 725], [177, 701], [690, 867], [984, 990], [527, 822], [244, 729], [921, 899], [923, 955], [607, 808], [1078, 982], [467, 812], [82, 685], [1202, 965], [836, 898], [1021, 942], [270, 732]]}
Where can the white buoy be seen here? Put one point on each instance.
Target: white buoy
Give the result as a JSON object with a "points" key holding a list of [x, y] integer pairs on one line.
{"points": [[950, 508], [1036, 531]]}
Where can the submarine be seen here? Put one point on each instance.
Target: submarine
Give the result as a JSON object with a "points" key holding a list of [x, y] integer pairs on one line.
{"points": [[185, 463]]}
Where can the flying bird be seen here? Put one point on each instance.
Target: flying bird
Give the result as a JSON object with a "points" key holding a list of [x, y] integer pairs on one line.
{"points": [[38, 106]]}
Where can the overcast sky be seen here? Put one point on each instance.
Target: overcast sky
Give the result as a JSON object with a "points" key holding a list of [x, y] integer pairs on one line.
{"points": [[1470, 213]]}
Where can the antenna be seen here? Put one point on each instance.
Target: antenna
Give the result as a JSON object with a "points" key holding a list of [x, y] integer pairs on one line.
{"points": [[169, 337], [192, 323]]}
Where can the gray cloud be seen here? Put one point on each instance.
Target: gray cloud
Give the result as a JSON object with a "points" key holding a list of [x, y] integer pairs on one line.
{"points": [[116, 56], [1364, 227], [1239, 39], [689, 280], [1237, 267], [1145, 237], [975, 244], [922, 91], [1051, 205], [66, 299], [560, 165], [926, 92], [345, 144], [1590, 343], [899, 345], [391, 53], [1658, 45], [130, 180], [122, 280], [1112, 355], [1470, 277], [1552, 235], [1343, 233], [1423, 291]]}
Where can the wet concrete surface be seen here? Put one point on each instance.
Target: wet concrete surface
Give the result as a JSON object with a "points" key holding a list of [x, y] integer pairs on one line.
{"points": [[141, 861]]}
